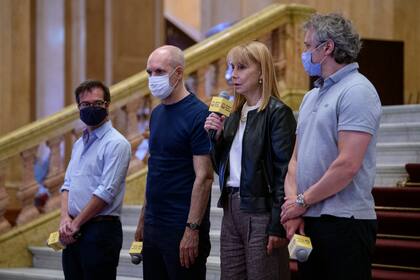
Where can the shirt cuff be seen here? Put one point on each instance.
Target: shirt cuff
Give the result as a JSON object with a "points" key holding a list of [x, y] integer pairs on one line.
{"points": [[359, 128], [64, 188], [105, 193]]}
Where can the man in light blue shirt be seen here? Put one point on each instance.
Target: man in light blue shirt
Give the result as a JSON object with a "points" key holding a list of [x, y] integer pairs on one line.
{"points": [[332, 171], [93, 191]]}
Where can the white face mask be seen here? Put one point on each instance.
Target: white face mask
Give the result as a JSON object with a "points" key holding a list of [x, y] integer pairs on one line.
{"points": [[160, 86]]}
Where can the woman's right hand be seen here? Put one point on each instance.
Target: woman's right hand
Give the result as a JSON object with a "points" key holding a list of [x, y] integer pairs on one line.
{"points": [[215, 122]]}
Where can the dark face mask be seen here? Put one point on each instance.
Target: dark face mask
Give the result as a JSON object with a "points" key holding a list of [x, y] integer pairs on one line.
{"points": [[92, 116]]}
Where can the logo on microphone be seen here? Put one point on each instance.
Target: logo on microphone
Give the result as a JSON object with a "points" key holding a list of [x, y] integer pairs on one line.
{"points": [[221, 105]]}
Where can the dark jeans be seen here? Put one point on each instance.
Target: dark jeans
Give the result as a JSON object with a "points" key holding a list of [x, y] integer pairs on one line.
{"points": [[161, 255], [342, 248], [95, 254]]}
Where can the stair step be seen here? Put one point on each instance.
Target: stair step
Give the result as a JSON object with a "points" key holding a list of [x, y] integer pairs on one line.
{"points": [[393, 274], [413, 170], [40, 274], [215, 222], [215, 193], [399, 223], [397, 196], [399, 132], [389, 174], [128, 232], [397, 252], [30, 274], [130, 217], [400, 113], [47, 259], [397, 153], [378, 273], [130, 214]]}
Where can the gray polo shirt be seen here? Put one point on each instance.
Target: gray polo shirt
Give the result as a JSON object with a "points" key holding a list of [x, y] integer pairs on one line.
{"points": [[346, 101]]}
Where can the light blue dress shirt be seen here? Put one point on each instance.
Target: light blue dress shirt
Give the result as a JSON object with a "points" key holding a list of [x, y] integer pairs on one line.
{"points": [[98, 166]]}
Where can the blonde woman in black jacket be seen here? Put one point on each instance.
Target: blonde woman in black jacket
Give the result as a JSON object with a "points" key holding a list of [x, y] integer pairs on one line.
{"points": [[251, 152]]}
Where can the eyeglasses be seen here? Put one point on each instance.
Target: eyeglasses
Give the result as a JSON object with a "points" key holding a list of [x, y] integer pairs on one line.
{"points": [[97, 103]]}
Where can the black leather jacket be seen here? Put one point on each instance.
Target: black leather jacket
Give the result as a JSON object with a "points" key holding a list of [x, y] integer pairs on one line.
{"points": [[268, 143]]}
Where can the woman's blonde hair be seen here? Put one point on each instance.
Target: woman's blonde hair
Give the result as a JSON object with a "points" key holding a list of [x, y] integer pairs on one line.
{"points": [[257, 53]]}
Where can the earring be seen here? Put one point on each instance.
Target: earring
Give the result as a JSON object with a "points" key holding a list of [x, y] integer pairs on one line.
{"points": [[260, 81]]}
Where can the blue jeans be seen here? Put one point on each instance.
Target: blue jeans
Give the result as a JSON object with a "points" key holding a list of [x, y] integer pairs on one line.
{"points": [[95, 254], [161, 255]]}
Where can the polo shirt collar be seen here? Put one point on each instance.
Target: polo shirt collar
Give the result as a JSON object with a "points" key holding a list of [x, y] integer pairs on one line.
{"points": [[340, 74], [337, 76]]}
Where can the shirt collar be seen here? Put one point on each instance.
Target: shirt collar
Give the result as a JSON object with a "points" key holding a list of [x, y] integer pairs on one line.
{"points": [[97, 133], [337, 76]]}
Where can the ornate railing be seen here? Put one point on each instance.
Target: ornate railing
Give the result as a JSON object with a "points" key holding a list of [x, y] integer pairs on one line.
{"points": [[278, 26]]}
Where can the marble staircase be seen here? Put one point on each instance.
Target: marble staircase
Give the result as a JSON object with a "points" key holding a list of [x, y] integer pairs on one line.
{"points": [[398, 143]]}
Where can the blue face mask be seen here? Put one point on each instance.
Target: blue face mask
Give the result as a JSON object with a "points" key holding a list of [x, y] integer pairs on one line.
{"points": [[313, 69]]}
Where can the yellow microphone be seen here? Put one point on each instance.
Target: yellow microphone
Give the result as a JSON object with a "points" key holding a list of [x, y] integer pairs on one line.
{"points": [[300, 247], [220, 105], [54, 241], [136, 252]]}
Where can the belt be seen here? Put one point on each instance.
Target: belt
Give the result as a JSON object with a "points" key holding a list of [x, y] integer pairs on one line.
{"points": [[102, 218], [231, 190]]}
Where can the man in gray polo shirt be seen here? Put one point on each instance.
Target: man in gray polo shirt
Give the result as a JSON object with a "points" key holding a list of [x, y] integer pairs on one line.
{"points": [[332, 171]]}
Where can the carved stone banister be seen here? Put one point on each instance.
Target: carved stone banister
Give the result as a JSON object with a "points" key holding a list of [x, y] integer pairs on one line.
{"points": [[296, 81], [201, 83], [245, 30], [55, 176], [4, 199], [131, 115], [221, 83], [133, 134], [28, 188]]}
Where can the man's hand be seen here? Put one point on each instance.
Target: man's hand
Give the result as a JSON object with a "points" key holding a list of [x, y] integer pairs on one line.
{"points": [[275, 242], [138, 236], [74, 226], [188, 248], [294, 225], [65, 230], [290, 209]]}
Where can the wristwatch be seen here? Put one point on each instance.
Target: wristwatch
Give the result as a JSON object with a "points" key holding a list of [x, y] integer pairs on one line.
{"points": [[300, 201], [193, 226]]}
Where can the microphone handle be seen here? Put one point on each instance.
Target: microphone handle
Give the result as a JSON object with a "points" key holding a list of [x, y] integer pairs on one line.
{"points": [[212, 134]]}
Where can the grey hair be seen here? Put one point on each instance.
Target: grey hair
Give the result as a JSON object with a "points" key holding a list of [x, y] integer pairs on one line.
{"points": [[341, 31]]}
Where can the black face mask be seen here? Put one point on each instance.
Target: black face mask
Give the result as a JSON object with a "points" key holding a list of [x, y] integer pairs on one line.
{"points": [[92, 116]]}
